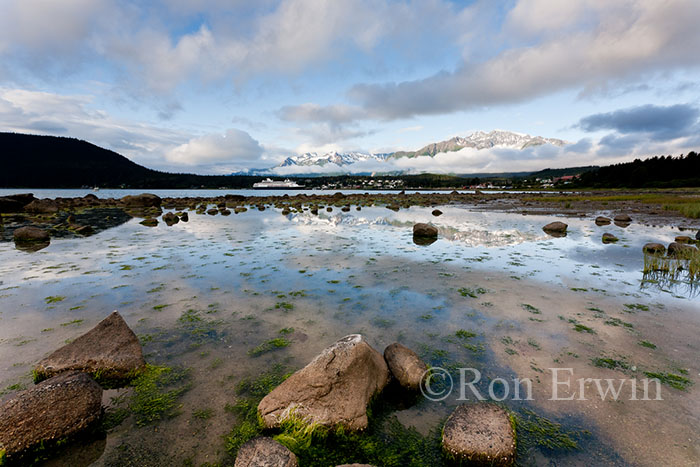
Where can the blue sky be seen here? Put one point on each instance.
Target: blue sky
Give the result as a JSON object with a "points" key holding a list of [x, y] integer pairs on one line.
{"points": [[215, 86]]}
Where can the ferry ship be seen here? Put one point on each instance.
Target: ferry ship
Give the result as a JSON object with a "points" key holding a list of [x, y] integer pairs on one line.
{"points": [[269, 184]]}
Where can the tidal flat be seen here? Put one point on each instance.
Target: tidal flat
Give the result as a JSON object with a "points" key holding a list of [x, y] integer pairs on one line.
{"points": [[222, 300]]}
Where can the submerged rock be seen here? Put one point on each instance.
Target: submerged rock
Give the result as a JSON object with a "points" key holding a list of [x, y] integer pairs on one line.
{"points": [[149, 222], [556, 229], [47, 413], [425, 231], [240, 209], [334, 389], [609, 238], [654, 248], [405, 365], [265, 452], [109, 351], [480, 434], [600, 220]]}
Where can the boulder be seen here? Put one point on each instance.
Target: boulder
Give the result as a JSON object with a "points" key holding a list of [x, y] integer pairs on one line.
{"points": [[600, 220], [184, 217], [109, 351], [654, 249], [142, 200], [240, 209], [213, 211], [555, 228], [170, 218], [405, 365], [425, 230], [7, 204], [22, 198], [30, 234], [265, 452], [609, 238], [437, 212], [47, 413], [225, 212], [479, 434], [345, 209], [334, 389], [624, 218], [149, 222], [680, 250], [393, 207], [42, 206], [683, 239]]}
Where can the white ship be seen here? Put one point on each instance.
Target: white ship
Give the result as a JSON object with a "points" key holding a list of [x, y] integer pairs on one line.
{"points": [[269, 184]]}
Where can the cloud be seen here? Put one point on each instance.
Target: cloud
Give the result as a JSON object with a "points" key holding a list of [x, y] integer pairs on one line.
{"points": [[661, 122], [649, 38], [234, 146]]}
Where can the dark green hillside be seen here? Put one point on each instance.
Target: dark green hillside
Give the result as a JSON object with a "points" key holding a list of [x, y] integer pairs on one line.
{"points": [[32, 161]]}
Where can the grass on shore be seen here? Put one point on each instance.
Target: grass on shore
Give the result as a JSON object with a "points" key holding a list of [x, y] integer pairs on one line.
{"points": [[686, 205]]}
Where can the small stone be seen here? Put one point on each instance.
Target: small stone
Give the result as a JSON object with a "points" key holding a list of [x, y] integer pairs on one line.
{"points": [[654, 248], [213, 212], [265, 452], [437, 212], [555, 229], [683, 239], [609, 238], [480, 433], [31, 234], [425, 230], [405, 365], [169, 218], [623, 218], [600, 220], [149, 222]]}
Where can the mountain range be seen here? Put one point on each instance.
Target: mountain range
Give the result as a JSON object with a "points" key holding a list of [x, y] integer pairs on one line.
{"points": [[478, 140]]}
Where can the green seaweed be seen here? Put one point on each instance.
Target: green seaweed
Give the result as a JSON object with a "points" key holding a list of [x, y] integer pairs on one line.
{"points": [[610, 363], [54, 299], [534, 431], [647, 344], [473, 293], [156, 393], [670, 379], [272, 344]]}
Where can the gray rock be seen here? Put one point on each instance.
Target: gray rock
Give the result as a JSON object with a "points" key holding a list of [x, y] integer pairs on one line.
{"points": [[600, 220], [407, 367], [480, 434], [624, 218], [334, 389], [265, 452], [109, 351], [654, 249], [51, 411], [425, 230]]}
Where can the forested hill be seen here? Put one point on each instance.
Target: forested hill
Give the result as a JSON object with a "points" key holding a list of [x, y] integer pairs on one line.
{"points": [[655, 172], [32, 161]]}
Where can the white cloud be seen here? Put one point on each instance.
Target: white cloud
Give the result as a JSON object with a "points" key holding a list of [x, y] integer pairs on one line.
{"points": [[234, 146]]}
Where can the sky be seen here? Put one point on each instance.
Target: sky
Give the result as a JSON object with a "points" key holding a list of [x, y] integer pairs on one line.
{"points": [[219, 86]]}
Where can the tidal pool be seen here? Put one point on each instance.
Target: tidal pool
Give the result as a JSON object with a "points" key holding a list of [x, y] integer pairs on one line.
{"points": [[494, 293]]}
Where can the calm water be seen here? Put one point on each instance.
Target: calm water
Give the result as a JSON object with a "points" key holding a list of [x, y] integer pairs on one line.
{"points": [[246, 277]]}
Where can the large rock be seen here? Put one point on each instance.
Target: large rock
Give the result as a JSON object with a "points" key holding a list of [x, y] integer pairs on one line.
{"points": [[170, 218], [555, 228], [600, 220], [334, 389], [654, 249], [683, 239], [31, 234], [623, 218], [265, 452], [49, 412], [407, 367], [42, 206], [480, 434], [425, 231], [143, 200], [15, 203], [109, 351]]}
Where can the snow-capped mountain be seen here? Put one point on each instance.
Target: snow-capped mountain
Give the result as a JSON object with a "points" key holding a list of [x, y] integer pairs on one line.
{"points": [[478, 140], [482, 140], [340, 159]]}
